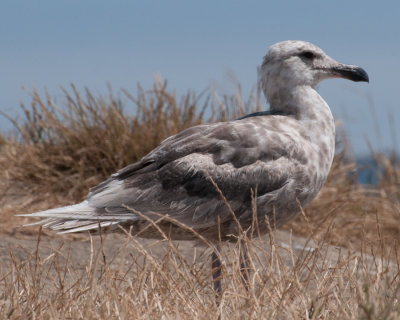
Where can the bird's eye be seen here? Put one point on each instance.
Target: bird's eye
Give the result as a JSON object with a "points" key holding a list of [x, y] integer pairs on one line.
{"points": [[307, 55]]}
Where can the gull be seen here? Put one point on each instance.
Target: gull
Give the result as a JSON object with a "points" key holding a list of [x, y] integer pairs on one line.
{"points": [[206, 180]]}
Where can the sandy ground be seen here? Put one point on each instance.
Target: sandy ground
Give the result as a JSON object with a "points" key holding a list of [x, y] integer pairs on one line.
{"points": [[80, 251]]}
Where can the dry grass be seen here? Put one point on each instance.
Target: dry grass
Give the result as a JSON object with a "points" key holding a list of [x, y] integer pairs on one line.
{"points": [[129, 281], [62, 150], [72, 147]]}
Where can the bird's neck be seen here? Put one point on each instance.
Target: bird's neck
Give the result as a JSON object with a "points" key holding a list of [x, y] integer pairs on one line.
{"points": [[303, 102]]}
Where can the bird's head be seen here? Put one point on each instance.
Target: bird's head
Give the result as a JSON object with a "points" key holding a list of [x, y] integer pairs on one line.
{"points": [[295, 63]]}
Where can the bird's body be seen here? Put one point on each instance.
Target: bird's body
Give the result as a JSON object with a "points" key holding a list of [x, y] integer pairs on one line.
{"points": [[283, 159], [215, 179], [277, 160]]}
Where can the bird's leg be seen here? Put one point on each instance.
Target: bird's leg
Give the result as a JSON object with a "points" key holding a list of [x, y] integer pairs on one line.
{"points": [[217, 276], [244, 265]]}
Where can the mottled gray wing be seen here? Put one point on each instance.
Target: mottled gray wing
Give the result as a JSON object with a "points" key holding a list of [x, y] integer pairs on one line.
{"points": [[174, 178]]}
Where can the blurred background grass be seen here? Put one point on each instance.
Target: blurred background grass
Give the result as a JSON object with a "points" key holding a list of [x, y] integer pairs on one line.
{"points": [[58, 151]]}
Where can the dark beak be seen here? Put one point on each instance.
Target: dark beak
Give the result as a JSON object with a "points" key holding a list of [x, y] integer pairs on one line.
{"points": [[350, 72]]}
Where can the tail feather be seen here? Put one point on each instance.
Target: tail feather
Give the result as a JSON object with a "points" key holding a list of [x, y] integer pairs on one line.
{"points": [[74, 211], [78, 217], [88, 227]]}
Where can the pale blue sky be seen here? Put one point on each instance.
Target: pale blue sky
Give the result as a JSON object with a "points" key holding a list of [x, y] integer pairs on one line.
{"points": [[48, 44]]}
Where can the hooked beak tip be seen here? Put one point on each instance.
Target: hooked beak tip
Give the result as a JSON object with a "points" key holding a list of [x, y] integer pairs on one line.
{"points": [[350, 72]]}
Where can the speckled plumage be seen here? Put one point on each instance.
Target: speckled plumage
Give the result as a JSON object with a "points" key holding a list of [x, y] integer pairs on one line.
{"points": [[283, 155]]}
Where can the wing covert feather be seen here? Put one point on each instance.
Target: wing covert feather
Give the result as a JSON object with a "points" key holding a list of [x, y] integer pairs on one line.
{"points": [[174, 178]]}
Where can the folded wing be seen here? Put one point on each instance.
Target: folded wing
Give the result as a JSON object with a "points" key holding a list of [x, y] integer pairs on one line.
{"points": [[178, 178]]}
